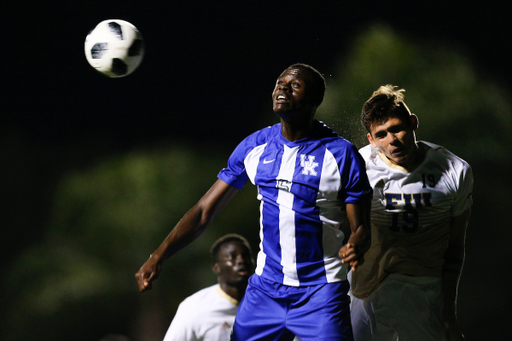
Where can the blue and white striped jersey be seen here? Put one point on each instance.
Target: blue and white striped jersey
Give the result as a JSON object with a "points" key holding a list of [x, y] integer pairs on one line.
{"points": [[303, 187]]}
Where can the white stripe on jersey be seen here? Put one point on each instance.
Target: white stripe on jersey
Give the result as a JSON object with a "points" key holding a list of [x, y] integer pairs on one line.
{"points": [[262, 256], [252, 160], [329, 206], [287, 219]]}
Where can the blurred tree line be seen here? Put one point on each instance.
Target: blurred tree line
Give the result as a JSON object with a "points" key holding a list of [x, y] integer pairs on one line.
{"points": [[77, 282], [105, 221]]}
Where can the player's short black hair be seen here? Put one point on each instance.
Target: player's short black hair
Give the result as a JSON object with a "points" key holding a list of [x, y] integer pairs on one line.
{"points": [[228, 238], [317, 80], [387, 101]]}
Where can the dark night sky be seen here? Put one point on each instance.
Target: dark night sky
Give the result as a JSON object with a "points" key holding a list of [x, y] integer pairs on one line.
{"points": [[209, 66], [208, 74]]}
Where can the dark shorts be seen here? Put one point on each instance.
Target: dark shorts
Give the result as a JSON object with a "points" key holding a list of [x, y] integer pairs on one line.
{"points": [[272, 311]]}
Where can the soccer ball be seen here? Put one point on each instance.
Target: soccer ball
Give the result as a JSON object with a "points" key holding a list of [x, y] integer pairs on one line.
{"points": [[114, 47]]}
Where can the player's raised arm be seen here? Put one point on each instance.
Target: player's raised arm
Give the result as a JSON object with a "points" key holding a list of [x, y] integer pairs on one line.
{"points": [[360, 238], [193, 223]]}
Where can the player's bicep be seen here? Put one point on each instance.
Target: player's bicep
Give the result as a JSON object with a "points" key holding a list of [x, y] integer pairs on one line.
{"points": [[216, 198]]}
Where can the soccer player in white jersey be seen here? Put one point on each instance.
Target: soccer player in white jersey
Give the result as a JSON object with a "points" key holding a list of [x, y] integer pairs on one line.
{"points": [[209, 313], [314, 208], [407, 288]]}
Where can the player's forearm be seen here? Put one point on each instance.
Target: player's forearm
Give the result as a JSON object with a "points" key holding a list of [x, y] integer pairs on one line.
{"points": [[452, 270], [450, 287], [187, 229], [359, 218], [453, 263], [191, 226], [196, 220], [360, 235]]}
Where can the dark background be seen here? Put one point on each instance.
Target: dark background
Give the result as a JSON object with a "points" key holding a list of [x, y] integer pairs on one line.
{"points": [[207, 75], [209, 66]]}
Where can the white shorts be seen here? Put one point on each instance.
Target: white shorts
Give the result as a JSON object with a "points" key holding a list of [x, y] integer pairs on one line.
{"points": [[404, 308]]}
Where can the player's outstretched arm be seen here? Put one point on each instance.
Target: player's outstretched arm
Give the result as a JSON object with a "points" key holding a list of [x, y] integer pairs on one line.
{"points": [[360, 238], [454, 260], [193, 223]]}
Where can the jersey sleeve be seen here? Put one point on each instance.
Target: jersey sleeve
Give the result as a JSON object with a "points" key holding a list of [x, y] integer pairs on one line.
{"points": [[235, 173], [464, 197], [356, 187]]}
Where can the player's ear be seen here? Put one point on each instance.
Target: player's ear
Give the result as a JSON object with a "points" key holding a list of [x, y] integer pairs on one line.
{"points": [[216, 268], [370, 139], [415, 122]]}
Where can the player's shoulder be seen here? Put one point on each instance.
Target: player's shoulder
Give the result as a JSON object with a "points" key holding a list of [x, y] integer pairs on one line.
{"points": [[371, 157], [256, 139], [262, 135], [194, 309], [202, 295], [325, 133], [367, 151], [435, 151], [332, 140]]}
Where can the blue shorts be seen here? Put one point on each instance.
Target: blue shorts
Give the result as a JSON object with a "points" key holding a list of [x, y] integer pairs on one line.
{"points": [[272, 311]]}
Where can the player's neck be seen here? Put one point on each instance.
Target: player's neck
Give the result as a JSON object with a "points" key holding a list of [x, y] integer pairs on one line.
{"points": [[416, 157], [297, 130], [235, 292]]}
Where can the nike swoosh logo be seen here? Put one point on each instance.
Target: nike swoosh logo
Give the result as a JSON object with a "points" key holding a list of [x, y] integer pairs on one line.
{"points": [[268, 161]]}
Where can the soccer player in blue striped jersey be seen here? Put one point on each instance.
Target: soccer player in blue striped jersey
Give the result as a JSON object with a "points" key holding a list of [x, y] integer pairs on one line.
{"points": [[314, 219]]}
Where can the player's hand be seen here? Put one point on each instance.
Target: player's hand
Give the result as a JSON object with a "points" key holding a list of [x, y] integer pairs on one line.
{"points": [[348, 255], [148, 273], [353, 252]]}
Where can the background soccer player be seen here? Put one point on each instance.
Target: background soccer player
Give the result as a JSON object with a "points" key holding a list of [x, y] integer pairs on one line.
{"points": [[209, 313], [420, 211], [310, 180]]}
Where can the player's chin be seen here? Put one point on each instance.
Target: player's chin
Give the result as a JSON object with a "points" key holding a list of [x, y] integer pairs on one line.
{"points": [[239, 281], [399, 156], [281, 110]]}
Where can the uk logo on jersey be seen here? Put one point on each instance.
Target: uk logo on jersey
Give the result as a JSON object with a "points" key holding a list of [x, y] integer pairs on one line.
{"points": [[309, 165]]}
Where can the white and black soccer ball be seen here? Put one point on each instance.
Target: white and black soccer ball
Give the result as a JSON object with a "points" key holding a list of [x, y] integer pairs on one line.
{"points": [[114, 47]]}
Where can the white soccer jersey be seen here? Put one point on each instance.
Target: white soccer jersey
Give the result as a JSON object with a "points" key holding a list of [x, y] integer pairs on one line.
{"points": [[411, 214], [303, 187], [207, 315]]}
